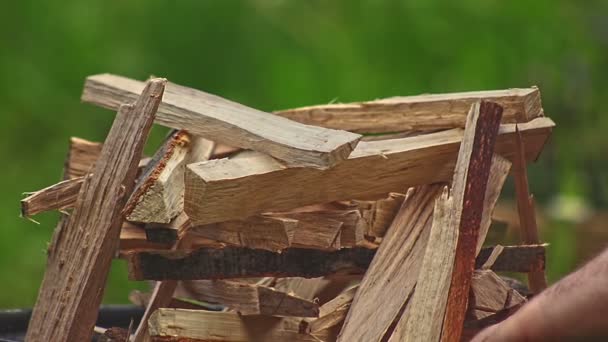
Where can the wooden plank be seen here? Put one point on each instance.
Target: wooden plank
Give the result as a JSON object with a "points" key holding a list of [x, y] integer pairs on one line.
{"points": [[80, 254], [227, 122], [392, 274], [499, 170], [58, 196], [423, 318], [81, 158], [239, 262], [158, 195], [490, 295], [421, 112], [470, 179], [219, 190], [252, 299], [527, 214], [200, 325]]}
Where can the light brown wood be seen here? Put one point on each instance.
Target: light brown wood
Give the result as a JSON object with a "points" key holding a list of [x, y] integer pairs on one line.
{"points": [[251, 299], [470, 180], [199, 325], [423, 318], [379, 214], [333, 312], [81, 158], [491, 295], [222, 190], [58, 196], [421, 112], [81, 251], [227, 122], [527, 215], [390, 278], [498, 175]]}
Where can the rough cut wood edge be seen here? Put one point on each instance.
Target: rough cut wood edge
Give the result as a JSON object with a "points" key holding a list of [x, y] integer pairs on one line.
{"points": [[251, 299], [331, 313], [379, 214], [58, 196], [81, 158], [158, 196], [239, 262], [423, 318], [490, 295], [470, 179], [200, 325], [421, 112], [224, 121], [81, 251], [218, 190], [391, 276]]}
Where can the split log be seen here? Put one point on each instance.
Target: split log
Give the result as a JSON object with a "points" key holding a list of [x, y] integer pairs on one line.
{"points": [[238, 262], [224, 121], [199, 325], [421, 112], [219, 190], [321, 290], [392, 274], [332, 313], [58, 196], [81, 158], [251, 299], [380, 214], [423, 318], [470, 179], [490, 295], [80, 253]]}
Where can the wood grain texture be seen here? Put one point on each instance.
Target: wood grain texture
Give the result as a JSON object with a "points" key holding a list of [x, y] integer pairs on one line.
{"points": [[380, 214], [227, 122], [333, 312], [526, 211], [58, 196], [251, 299], [421, 112], [470, 180], [491, 295], [422, 320], [392, 275], [81, 251], [239, 262], [81, 158], [221, 190], [208, 326]]}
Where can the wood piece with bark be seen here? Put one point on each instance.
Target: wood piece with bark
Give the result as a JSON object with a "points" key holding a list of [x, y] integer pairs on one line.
{"points": [[527, 214], [391, 276], [470, 180], [421, 112], [251, 299], [239, 262], [220, 190], [199, 325], [423, 318], [81, 158], [81, 251], [231, 123]]}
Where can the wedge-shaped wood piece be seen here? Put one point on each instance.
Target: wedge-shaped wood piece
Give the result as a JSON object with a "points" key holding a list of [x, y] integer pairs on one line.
{"points": [[470, 179], [392, 275], [81, 158], [491, 295], [423, 318], [332, 313], [251, 299], [200, 325], [224, 121], [322, 222], [81, 251], [220, 190], [421, 112], [158, 196], [380, 214], [238, 262]]}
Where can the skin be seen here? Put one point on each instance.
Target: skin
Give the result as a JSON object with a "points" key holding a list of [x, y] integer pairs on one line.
{"points": [[573, 309]]}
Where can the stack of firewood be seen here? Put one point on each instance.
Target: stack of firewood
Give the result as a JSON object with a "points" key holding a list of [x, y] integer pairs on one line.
{"points": [[293, 226]]}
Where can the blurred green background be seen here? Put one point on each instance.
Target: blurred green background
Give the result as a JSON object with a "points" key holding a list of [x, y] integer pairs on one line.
{"points": [[281, 54]]}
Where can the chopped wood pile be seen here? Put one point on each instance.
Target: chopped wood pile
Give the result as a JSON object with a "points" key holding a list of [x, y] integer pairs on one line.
{"points": [[292, 225]]}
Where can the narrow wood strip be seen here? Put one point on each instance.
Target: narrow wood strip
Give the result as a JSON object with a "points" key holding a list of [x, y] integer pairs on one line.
{"points": [[227, 122], [81, 158], [81, 252], [421, 112], [219, 190], [470, 179]]}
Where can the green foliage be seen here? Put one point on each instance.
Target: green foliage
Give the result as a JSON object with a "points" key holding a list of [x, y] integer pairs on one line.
{"points": [[274, 54]]}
